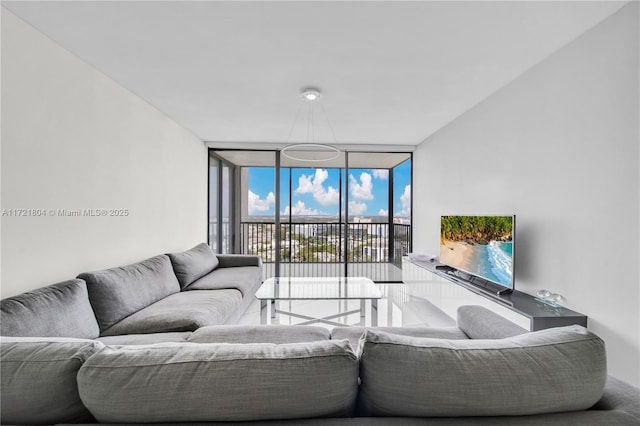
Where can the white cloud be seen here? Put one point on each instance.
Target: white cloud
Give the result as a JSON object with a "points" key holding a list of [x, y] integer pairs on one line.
{"points": [[312, 184], [299, 209], [328, 197], [256, 204], [356, 208], [361, 191], [381, 174], [383, 212], [304, 185], [405, 201]]}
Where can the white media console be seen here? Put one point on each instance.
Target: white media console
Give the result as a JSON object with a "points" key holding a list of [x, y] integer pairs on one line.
{"points": [[447, 292]]}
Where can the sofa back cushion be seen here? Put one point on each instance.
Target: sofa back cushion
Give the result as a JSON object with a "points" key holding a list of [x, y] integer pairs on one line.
{"points": [[478, 322], [59, 310], [245, 279], [220, 382], [145, 339], [259, 334], [119, 292], [553, 370], [193, 264], [353, 334], [38, 381]]}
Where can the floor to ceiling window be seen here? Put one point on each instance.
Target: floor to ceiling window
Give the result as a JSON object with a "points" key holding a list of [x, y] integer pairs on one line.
{"points": [[379, 230], [221, 205], [347, 217], [311, 221]]}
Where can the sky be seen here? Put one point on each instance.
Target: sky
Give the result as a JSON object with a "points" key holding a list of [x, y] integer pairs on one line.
{"points": [[316, 191]]}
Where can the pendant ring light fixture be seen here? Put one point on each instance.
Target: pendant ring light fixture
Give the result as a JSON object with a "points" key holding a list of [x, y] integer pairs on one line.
{"points": [[296, 151]]}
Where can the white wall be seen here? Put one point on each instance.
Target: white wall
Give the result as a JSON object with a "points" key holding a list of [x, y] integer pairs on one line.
{"points": [[559, 147], [74, 139]]}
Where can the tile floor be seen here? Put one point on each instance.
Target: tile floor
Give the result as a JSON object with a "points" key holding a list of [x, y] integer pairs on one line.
{"points": [[397, 308]]}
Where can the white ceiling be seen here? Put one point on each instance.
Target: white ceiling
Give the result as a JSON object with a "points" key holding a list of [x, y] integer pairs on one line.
{"points": [[391, 72]]}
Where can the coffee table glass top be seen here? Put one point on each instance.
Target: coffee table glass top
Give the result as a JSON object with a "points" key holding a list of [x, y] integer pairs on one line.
{"points": [[302, 288]]}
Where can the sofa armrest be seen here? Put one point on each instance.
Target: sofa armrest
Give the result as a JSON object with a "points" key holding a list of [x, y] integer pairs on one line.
{"points": [[478, 322], [232, 260], [620, 396]]}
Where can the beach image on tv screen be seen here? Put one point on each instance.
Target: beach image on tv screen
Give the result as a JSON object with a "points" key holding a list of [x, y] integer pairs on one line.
{"points": [[479, 245]]}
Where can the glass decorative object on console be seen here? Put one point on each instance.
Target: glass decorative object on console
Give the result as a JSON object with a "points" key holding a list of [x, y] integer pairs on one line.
{"points": [[552, 299]]}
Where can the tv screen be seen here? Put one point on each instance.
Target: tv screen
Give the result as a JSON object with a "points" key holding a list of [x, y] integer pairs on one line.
{"points": [[479, 245]]}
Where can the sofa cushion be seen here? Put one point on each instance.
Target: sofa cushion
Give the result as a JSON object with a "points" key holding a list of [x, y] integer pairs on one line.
{"points": [[553, 370], [39, 379], [145, 339], [353, 334], [185, 311], [220, 382], [59, 310], [259, 334], [246, 279], [478, 322], [119, 292], [193, 263]]}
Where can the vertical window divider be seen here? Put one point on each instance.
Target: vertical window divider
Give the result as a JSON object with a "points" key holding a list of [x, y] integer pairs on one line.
{"points": [[346, 216], [340, 251], [391, 238], [277, 215], [220, 224], [290, 216], [411, 203]]}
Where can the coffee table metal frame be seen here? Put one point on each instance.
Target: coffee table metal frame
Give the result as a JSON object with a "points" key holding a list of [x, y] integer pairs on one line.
{"points": [[274, 290]]}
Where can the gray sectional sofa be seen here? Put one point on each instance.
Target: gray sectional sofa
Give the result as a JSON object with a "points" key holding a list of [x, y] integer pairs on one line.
{"points": [[106, 348], [175, 292]]}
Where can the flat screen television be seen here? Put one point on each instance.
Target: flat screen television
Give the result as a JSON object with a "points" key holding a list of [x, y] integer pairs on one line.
{"points": [[482, 246]]}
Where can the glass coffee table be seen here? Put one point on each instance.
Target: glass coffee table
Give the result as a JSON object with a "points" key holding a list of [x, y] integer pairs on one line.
{"points": [[326, 288]]}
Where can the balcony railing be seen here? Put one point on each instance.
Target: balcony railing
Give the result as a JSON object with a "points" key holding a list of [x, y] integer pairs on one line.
{"points": [[317, 248], [324, 242]]}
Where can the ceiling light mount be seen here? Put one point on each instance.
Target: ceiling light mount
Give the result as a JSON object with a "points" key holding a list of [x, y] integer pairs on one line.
{"points": [[311, 94]]}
